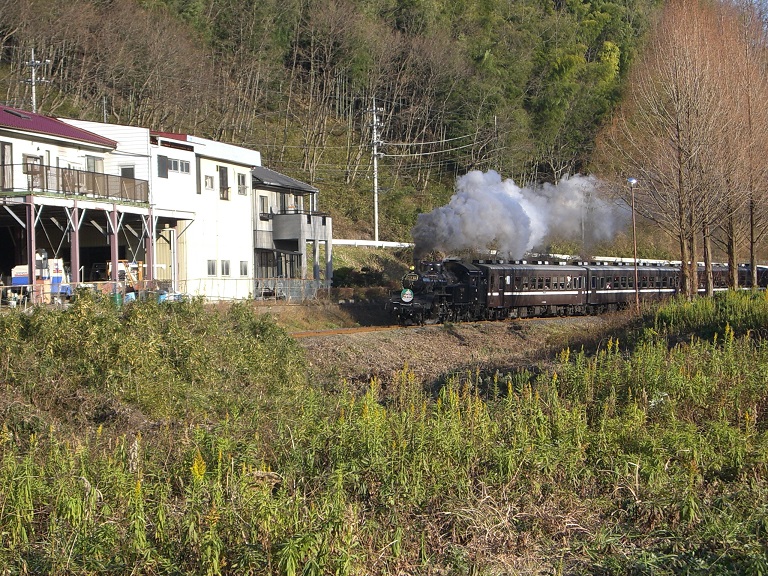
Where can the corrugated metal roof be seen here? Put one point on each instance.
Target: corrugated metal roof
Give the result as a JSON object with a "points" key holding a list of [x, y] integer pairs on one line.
{"points": [[15, 119], [266, 177]]}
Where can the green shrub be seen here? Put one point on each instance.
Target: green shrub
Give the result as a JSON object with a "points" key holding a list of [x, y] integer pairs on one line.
{"points": [[645, 460]]}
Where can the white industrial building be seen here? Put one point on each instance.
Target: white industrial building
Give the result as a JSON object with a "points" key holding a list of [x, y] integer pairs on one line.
{"points": [[195, 216]]}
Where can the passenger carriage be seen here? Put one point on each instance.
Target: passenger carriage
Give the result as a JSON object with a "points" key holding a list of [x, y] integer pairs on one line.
{"points": [[520, 290], [613, 287]]}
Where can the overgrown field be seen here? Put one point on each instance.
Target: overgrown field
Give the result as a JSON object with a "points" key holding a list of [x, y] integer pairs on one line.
{"points": [[185, 439]]}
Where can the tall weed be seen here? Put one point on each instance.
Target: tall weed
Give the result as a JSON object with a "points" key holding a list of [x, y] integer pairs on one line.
{"points": [[650, 459]]}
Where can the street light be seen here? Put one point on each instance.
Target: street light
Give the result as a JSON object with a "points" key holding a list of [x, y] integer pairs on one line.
{"points": [[632, 183]]}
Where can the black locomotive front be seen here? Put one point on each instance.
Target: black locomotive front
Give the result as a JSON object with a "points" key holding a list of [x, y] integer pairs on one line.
{"points": [[437, 292], [415, 302]]}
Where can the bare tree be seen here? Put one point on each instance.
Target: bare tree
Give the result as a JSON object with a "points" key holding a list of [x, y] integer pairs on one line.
{"points": [[753, 89], [740, 82], [670, 128]]}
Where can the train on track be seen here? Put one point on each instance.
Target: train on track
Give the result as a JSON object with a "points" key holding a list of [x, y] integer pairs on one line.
{"points": [[453, 290]]}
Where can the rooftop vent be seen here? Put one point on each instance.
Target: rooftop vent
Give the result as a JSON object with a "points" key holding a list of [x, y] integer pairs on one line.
{"points": [[17, 114]]}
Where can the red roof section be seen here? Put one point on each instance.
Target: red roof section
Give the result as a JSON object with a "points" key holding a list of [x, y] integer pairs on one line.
{"points": [[16, 119], [171, 135]]}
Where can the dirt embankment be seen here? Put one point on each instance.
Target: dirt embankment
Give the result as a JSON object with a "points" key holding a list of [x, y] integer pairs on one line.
{"points": [[433, 352]]}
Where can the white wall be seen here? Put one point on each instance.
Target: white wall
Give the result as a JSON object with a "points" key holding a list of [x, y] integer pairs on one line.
{"points": [[209, 228], [132, 146], [222, 229]]}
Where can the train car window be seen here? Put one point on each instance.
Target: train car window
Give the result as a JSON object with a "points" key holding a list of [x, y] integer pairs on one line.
{"points": [[567, 282], [509, 280], [546, 283], [594, 282], [540, 283], [623, 282], [562, 282], [517, 283], [630, 282], [664, 282], [602, 282], [525, 282], [493, 282]]}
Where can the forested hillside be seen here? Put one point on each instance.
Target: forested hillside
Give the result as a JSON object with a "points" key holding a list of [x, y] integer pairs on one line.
{"points": [[518, 86]]}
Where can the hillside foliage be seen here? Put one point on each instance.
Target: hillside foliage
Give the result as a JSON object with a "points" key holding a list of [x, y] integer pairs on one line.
{"points": [[521, 87]]}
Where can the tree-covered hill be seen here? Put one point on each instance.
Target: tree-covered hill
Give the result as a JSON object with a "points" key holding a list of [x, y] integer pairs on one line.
{"points": [[518, 86]]}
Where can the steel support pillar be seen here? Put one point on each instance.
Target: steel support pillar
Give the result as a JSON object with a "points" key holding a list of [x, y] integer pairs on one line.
{"points": [[113, 253], [74, 245], [31, 246], [315, 260], [149, 246]]}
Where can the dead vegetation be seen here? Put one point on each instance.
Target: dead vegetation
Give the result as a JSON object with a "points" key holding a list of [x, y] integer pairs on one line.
{"points": [[434, 352]]}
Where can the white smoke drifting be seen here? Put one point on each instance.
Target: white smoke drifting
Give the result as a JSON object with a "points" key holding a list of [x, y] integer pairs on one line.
{"points": [[488, 213]]}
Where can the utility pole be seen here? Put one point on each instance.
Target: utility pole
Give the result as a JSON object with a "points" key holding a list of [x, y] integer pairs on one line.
{"points": [[375, 143], [632, 183], [35, 64]]}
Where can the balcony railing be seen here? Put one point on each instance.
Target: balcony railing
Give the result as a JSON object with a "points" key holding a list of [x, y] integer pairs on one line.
{"points": [[71, 182], [292, 211]]}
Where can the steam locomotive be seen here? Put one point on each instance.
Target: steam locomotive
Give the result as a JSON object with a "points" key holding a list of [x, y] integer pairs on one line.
{"points": [[453, 290]]}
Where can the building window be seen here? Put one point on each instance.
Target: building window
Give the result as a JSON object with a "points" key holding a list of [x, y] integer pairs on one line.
{"points": [[264, 207], [31, 164], [243, 267], [94, 164], [33, 168], [162, 166], [225, 267], [242, 187], [176, 165], [6, 166], [223, 183], [127, 172], [211, 267], [209, 182]]}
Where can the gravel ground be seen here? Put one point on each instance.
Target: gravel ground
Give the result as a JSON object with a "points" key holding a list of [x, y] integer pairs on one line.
{"points": [[432, 352]]}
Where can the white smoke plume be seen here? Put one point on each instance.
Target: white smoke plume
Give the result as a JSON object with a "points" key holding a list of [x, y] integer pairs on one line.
{"points": [[488, 213]]}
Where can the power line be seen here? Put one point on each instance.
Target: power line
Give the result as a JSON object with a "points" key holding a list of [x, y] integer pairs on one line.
{"points": [[418, 154], [428, 143]]}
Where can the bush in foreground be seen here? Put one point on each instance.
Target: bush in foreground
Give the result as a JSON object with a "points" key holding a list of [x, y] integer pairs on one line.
{"points": [[650, 461]]}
